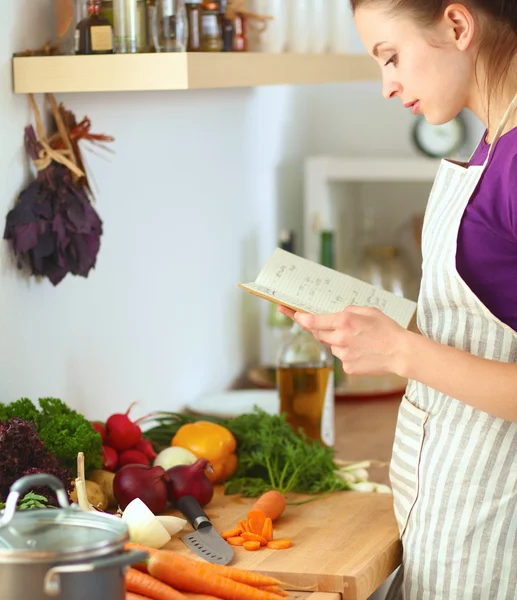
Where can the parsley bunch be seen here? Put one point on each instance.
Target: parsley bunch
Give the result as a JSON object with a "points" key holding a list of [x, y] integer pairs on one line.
{"points": [[272, 456]]}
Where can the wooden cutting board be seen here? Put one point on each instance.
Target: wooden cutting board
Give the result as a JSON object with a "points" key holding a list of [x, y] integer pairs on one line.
{"points": [[346, 542]]}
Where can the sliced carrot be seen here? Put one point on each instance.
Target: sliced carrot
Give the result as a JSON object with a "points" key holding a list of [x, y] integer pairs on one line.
{"points": [[236, 540], [251, 545], [131, 596], [242, 525], [198, 576], [267, 530], [231, 533], [148, 586], [253, 537], [271, 504], [282, 544], [256, 521]]}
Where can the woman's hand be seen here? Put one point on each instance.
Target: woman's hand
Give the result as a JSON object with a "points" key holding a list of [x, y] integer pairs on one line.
{"points": [[365, 340]]}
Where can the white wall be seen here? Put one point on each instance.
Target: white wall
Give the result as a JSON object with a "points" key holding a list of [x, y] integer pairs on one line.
{"points": [[189, 209], [191, 202]]}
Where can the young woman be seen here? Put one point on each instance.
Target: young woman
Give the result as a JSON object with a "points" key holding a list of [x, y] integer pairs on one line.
{"points": [[454, 464]]}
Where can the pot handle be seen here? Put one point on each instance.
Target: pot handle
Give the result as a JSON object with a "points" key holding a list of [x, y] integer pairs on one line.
{"points": [[52, 581], [27, 483]]}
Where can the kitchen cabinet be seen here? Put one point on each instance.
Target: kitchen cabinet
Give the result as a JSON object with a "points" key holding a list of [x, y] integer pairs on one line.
{"points": [[184, 71], [346, 544]]}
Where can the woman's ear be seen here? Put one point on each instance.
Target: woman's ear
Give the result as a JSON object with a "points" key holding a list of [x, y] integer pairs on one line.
{"points": [[460, 24]]}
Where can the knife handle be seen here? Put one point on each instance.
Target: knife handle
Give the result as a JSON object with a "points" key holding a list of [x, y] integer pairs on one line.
{"points": [[192, 510]]}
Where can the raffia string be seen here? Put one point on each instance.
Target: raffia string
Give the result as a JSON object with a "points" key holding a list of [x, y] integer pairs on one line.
{"points": [[47, 154]]}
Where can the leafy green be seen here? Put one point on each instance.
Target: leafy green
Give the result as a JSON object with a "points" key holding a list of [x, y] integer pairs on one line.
{"points": [[63, 431], [271, 455], [30, 501]]}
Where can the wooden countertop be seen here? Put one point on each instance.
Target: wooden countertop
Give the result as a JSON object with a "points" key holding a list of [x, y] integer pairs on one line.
{"points": [[345, 545]]}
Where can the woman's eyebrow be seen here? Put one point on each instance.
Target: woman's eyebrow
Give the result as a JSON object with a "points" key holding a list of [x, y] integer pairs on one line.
{"points": [[375, 50]]}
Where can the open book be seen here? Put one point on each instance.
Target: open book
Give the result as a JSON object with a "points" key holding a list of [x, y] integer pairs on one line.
{"points": [[306, 286]]}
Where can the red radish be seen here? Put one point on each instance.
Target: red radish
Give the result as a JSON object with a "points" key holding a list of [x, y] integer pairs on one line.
{"points": [[100, 428], [123, 434], [145, 447], [190, 480], [139, 481], [132, 457], [109, 458]]}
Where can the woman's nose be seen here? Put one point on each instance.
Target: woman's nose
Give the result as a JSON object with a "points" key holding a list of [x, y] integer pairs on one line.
{"points": [[391, 89]]}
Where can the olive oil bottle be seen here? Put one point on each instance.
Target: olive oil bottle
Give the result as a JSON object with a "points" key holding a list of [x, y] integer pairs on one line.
{"points": [[305, 380]]}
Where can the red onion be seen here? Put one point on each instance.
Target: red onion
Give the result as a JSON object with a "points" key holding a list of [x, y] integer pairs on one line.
{"points": [[139, 481], [190, 480]]}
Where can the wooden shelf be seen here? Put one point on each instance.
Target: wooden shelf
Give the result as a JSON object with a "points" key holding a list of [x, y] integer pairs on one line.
{"points": [[182, 71]]}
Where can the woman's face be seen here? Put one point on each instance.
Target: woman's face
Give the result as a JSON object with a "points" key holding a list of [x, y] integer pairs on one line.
{"points": [[430, 71]]}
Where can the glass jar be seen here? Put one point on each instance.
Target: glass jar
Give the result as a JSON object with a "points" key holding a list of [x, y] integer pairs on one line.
{"points": [[240, 42], [305, 382], [194, 10], [142, 34], [170, 31], [212, 34]]}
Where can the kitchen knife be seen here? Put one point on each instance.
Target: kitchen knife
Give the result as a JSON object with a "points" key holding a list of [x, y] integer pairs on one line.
{"points": [[204, 540]]}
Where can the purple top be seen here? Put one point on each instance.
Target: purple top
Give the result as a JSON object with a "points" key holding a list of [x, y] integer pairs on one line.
{"points": [[486, 256]]}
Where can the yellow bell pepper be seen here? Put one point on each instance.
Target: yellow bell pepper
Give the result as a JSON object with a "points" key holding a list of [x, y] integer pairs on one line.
{"points": [[213, 442]]}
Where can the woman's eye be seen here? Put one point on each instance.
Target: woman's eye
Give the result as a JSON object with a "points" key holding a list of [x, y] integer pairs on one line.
{"points": [[392, 61]]}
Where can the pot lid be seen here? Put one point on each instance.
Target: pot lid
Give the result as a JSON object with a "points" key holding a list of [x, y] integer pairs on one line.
{"points": [[54, 534]]}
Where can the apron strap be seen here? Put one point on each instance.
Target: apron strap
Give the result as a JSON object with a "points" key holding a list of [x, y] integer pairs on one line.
{"points": [[509, 111]]}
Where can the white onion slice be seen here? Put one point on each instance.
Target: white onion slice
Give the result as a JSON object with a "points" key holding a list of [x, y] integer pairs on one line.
{"points": [[144, 527]]}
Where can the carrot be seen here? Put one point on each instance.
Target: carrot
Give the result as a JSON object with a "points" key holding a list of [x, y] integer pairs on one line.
{"points": [[141, 583], [134, 546], [256, 521], [267, 530], [253, 537], [235, 541], [199, 577], [199, 597], [251, 545], [231, 533], [131, 596], [242, 525], [279, 544], [271, 504], [275, 590]]}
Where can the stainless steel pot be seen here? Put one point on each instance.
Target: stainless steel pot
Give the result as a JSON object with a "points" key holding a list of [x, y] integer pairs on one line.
{"points": [[66, 553]]}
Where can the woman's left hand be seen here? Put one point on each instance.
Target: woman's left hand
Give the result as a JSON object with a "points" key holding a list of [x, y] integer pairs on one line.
{"points": [[365, 340]]}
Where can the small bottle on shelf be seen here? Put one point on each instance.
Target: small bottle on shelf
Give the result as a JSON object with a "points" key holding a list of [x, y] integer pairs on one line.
{"points": [[170, 26], [240, 42], [194, 10], [227, 28], [94, 34], [305, 382], [212, 34]]}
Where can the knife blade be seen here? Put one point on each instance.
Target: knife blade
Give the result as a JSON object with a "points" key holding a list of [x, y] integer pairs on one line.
{"points": [[204, 540]]}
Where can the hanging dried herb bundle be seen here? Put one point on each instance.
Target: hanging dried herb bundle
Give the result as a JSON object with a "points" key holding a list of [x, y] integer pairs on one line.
{"points": [[53, 228]]}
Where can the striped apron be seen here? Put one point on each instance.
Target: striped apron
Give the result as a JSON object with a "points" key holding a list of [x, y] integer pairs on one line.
{"points": [[454, 468]]}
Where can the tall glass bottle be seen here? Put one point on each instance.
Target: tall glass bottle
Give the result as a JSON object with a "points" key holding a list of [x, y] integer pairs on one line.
{"points": [[305, 382], [125, 24], [94, 35], [327, 259]]}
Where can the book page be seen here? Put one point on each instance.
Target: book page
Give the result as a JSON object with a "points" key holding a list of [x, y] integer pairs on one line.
{"points": [[309, 287]]}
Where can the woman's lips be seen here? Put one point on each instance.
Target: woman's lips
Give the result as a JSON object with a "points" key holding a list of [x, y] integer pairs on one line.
{"points": [[414, 106]]}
